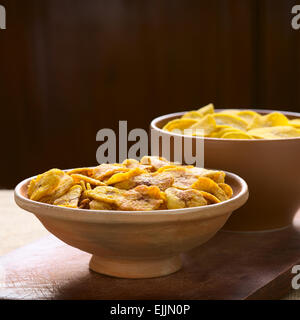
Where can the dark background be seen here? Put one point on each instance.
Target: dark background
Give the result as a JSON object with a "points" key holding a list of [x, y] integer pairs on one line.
{"points": [[71, 67]]}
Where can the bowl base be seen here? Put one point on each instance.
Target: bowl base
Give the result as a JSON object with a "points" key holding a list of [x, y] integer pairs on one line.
{"points": [[135, 268]]}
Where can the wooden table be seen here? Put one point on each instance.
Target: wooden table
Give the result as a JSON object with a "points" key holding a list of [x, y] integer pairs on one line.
{"points": [[18, 228]]}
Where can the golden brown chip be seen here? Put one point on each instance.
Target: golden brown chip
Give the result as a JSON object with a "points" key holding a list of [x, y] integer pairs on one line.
{"points": [[71, 198], [100, 205], [210, 198], [51, 184], [123, 176], [80, 177], [141, 198], [85, 171], [155, 162], [177, 199], [208, 185], [162, 181], [105, 194], [227, 189], [106, 170], [132, 163]]}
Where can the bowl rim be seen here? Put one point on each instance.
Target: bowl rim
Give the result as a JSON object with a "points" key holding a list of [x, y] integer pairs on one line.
{"points": [[154, 126], [65, 213]]}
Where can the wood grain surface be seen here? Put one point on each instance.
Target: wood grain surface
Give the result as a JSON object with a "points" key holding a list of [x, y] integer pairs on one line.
{"points": [[230, 266]]}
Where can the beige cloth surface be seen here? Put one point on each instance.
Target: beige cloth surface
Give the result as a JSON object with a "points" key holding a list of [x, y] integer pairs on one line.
{"points": [[18, 228]]}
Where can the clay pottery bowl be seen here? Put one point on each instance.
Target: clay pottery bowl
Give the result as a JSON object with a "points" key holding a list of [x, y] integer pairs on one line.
{"points": [[138, 244], [270, 167]]}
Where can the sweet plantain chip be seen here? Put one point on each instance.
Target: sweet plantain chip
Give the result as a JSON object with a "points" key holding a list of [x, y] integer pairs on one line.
{"points": [[80, 177], [275, 132], [230, 120], [209, 109], [192, 115], [123, 176], [179, 124], [207, 124]]}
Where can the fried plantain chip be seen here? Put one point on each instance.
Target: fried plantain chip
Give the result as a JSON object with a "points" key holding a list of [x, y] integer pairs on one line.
{"points": [[71, 198], [105, 194], [230, 120], [155, 162], [100, 205], [177, 199], [80, 177], [141, 198], [278, 132], [85, 171], [162, 181], [179, 124], [51, 184], [122, 176], [106, 170], [208, 185], [207, 124], [236, 135], [209, 109], [192, 115], [132, 163], [270, 120]]}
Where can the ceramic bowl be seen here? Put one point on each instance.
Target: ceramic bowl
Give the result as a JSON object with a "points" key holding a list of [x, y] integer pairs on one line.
{"points": [[270, 167], [139, 244]]}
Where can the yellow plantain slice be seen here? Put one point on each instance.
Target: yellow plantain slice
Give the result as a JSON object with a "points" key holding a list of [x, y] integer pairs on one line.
{"points": [[207, 124], [230, 120], [236, 135], [71, 198], [179, 124], [192, 115], [132, 163], [209, 109], [208, 185], [177, 199], [279, 132], [270, 120], [295, 123], [247, 115]]}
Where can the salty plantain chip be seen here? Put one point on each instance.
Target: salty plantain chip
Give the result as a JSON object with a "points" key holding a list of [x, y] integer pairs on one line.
{"points": [[71, 198], [122, 176], [227, 189], [208, 185], [80, 177], [210, 198], [52, 183], [106, 170], [141, 198], [177, 198], [105, 194]]}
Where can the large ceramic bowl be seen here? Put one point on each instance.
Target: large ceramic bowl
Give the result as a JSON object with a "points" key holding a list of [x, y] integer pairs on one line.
{"points": [[131, 244], [270, 167]]}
